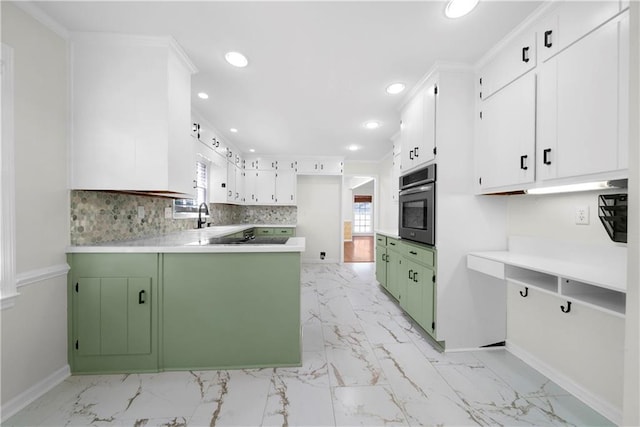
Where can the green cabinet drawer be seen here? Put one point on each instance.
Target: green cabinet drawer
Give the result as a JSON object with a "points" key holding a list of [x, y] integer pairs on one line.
{"points": [[283, 231], [422, 254], [381, 240], [393, 243], [264, 231]]}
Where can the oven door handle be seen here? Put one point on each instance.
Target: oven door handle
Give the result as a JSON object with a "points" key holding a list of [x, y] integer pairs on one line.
{"points": [[416, 190]]}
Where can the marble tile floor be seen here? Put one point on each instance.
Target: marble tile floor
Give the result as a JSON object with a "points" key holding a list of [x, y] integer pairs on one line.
{"points": [[364, 364]]}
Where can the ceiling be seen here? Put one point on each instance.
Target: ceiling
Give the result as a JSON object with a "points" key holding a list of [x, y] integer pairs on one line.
{"points": [[317, 70]]}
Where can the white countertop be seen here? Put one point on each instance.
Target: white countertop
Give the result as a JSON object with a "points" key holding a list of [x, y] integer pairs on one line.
{"points": [[389, 233], [193, 241]]}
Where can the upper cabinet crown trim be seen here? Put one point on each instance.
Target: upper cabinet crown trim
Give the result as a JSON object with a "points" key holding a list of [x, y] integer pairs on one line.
{"points": [[136, 40], [437, 67]]}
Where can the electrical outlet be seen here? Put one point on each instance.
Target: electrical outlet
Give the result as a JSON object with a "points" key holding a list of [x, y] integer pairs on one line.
{"points": [[322, 255], [582, 215], [141, 212], [168, 213]]}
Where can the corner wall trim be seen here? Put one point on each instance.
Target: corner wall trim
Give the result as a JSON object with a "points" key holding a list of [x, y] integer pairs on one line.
{"points": [[28, 396], [38, 275], [597, 403]]}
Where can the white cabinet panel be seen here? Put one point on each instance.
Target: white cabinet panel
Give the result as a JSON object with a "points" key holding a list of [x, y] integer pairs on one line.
{"points": [[578, 109], [286, 187], [318, 166], [417, 130], [506, 145], [131, 115]]}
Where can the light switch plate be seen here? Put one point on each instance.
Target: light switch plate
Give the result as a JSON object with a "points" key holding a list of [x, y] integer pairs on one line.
{"points": [[141, 212], [167, 213]]}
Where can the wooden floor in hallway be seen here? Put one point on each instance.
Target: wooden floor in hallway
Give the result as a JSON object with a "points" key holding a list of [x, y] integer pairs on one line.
{"points": [[360, 249]]}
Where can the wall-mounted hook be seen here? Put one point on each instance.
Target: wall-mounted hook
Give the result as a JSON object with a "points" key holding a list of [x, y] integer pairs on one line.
{"points": [[567, 308], [525, 293]]}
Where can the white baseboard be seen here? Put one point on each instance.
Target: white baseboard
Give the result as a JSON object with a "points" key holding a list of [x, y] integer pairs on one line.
{"points": [[605, 409], [21, 401]]}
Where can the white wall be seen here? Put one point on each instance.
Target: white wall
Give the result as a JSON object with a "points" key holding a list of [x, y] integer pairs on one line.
{"points": [[319, 217], [387, 207], [631, 408], [34, 331]]}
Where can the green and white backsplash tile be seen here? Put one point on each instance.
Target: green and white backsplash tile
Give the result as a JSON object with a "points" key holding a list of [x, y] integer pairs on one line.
{"points": [[105, 216]]}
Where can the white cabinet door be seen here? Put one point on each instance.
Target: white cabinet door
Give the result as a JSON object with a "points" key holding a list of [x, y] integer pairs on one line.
{"points": [[395, 178], [418, 129], [265, 187], [287, 165], [517, 58], [579, 108], [285, 187], [320, 166], [239, 184], [506, 147], [231, 183]]}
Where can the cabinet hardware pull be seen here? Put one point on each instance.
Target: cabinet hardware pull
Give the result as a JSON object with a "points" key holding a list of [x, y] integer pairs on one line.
{"points": [[410, 154], [141, 299], [392, 244], [383, 257], [415, 277], [415, 152], [567, 308], [525, 54], [522, 165], [547, 38], [413, 253], [410, 276], [525, 293], [545, 156]]}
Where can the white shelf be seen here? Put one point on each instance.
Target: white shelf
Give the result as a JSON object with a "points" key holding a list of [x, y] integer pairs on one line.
{"points": [[532, 278], [593, 295]]}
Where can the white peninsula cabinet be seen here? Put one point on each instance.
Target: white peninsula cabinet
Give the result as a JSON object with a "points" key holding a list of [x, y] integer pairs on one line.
{"points": [[553, 101], [131, 114]]}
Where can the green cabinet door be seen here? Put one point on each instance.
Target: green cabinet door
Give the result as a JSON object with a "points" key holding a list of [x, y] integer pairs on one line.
{"points": [[413, 302], [427, 317], [394, 272], [113, 315], [381, 265]]}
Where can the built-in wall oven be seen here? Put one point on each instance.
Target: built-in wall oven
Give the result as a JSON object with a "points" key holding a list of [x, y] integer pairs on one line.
{"points": [[417, 205]]}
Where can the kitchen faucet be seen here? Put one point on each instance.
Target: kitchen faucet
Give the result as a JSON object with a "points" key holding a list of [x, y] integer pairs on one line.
{"points": [[206, 211]]}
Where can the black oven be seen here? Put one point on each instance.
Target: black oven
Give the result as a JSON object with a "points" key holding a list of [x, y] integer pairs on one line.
{"points": [[417, 205]]}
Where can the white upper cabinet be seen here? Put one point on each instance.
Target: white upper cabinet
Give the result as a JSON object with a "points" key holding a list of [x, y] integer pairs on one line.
{"points": [[131, 114], [505, 152], [417, 128], [320, 166], [270, 181], [286, 184], [581, 88], [571, 107], [511, 62]]}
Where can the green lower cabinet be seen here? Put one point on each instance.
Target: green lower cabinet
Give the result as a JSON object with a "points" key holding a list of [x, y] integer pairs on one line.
{"points": [[381, 265], [394, 272], [231, 310], [284, 231], [264, 231], [114, 311]]}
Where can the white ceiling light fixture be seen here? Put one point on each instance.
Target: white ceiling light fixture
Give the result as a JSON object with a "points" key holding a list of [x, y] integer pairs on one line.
{"points": [[233, 130], [459, 8], [203, 95], [372, 124], [395, 88], [252, 150], [236, 59], [353, 147]]}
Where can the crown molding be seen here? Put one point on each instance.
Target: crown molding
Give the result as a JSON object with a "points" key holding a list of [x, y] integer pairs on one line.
{"points": [[39, 15]]}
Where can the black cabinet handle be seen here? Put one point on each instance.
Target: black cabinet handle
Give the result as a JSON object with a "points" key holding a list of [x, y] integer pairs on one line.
{"points": [[410, 154], [525, 54], [545, 156], [547, 38], [567, 308], [392, 244], [415, 277], [383, 257], [413, 253], [522, 161], [525, 293], [415, 152], [410, 272], [141, 299]]}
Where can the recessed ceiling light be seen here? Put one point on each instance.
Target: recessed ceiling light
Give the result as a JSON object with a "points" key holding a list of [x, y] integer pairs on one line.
{"points": [[203, 95], [236, 59], [372, 124], [395, 88], [459, 8], [252, 150], [234, 130], [353, 147]]}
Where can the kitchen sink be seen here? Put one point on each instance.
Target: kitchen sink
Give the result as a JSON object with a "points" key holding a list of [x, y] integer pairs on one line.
{"points": [[242, 241]]}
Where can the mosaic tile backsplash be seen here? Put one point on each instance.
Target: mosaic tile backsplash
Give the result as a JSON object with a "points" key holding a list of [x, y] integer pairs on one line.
{"points": [[105, 216]]}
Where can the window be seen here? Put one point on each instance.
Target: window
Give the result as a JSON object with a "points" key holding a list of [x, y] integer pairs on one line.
{"points": [[7, 201], [188, 208], [362, 214]]}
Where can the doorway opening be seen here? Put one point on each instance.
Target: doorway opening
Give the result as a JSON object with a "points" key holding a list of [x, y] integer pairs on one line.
{"points": [[359, 223]]}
